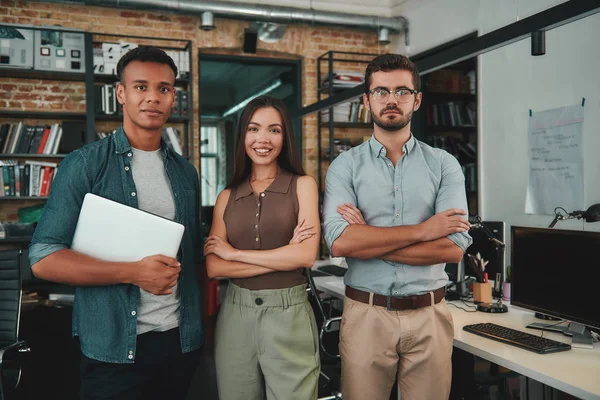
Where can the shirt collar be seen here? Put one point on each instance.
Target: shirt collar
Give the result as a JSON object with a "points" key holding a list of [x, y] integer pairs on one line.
{"points": [[379, 150], [123, 146], [121, 142], [281, 184]]}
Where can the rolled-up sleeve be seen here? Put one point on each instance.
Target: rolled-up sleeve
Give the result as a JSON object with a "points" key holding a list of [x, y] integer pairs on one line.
{"points": [[57, 224], [338, 190], [452, 194]]}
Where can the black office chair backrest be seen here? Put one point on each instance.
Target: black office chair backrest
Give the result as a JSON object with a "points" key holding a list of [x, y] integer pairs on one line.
{"points": [[316, 300], [10, 296]]}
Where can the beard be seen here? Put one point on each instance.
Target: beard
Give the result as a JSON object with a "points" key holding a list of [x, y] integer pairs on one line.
{"points": [[392, 125]]}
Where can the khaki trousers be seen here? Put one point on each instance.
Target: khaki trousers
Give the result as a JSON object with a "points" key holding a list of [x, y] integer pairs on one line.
{"points": [[266, 343], [377, 345]]}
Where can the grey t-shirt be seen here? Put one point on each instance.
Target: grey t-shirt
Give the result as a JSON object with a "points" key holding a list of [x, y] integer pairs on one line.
{"points": [[156, 312]]}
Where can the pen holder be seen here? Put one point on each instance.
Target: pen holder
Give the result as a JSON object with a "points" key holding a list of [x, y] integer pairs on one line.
{"points": [[482, 292]]}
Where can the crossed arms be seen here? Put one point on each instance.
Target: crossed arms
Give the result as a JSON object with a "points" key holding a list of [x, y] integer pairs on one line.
{"points": [[223, 260], [422, 244], [439, 239]]}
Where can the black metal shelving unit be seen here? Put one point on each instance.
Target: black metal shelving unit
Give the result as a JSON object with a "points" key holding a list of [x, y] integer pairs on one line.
{"points": [[41, 115], [327, 62], [90, 79], [452, 133], [94, 78]]}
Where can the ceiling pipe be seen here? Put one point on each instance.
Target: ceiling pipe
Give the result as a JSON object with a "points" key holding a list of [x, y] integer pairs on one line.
{"points": [[255, 12]]}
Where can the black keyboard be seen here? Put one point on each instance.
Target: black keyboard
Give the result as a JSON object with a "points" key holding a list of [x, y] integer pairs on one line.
{"points": [[517, 338], [333, 270]]}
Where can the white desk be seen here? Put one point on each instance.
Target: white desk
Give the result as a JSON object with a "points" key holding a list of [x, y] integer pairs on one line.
{"points": [[576, 372], [332, 285]]}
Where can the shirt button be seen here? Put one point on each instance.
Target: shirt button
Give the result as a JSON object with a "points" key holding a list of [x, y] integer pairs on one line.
{"points": [[396, 188], [258, 301], [257, 214], [130, 351], [262, 195], [397, 215], [126, 168], [130, 356], [256, 226], [133, 194], [133, 313], [129, 154], [256, 239], [390, 165]]}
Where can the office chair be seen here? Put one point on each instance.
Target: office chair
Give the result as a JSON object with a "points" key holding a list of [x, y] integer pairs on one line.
{"points": [[328, 325], [12, 351]]}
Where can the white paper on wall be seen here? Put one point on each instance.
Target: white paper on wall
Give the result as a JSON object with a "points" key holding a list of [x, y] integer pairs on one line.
{"points": [[555, 160]]}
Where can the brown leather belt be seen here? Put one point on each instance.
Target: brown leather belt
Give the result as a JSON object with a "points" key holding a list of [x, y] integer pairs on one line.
{"points": [[397, 303]]}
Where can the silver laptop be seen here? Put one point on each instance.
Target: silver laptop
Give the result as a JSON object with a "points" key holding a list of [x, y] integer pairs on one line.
{"points": [[112, 231]]}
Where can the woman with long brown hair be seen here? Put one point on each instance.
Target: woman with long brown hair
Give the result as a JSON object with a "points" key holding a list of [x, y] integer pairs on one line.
{"points": [[265, 230]]}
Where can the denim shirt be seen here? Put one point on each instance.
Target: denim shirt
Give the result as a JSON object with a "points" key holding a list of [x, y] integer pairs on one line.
{"points": [[105, 317], [424, 181]]}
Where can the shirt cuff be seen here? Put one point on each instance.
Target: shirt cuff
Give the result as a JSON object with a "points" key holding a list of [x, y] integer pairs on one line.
{"points": [[39, 251], [462, 240], [334, 230]]}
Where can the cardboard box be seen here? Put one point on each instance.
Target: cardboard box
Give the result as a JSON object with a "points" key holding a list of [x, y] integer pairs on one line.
{"points": [[16, 47]]}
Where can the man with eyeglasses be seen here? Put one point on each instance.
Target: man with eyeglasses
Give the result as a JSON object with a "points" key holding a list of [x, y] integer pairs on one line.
{"points": [[395, 208]]}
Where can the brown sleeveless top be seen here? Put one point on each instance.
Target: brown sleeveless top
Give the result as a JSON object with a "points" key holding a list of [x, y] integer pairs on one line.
{"points": [[264, 222]]}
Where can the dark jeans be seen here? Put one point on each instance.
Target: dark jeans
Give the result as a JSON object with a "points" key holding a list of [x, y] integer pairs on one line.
{"points": [[160, 371]]}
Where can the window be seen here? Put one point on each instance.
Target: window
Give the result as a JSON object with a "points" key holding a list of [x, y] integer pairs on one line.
{"points": [[212, 162]]}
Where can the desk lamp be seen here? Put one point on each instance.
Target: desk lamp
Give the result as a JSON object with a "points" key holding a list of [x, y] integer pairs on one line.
{"points": [[592, 214], [500, 246]]}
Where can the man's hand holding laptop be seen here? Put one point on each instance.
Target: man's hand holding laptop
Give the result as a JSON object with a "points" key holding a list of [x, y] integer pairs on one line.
{"points": [[157, 274]]}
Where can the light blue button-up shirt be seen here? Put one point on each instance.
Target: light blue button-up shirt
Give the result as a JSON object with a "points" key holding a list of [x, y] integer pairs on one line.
{"points": [[424, 181]]}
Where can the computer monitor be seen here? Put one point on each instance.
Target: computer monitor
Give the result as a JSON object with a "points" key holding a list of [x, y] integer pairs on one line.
{"points": [[556, 272]]}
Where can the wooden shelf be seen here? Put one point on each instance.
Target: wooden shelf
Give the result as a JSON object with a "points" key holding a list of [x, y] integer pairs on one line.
{"points": [[40, 115], [36, 74], [434, 97], [433, 129], [33, 155]]}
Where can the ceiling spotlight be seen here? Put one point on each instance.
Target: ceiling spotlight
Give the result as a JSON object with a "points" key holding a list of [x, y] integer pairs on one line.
{"points": [[208, 21], [384, 36], [538, 43]]}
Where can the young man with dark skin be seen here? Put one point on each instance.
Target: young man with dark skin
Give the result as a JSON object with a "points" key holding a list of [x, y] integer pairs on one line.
{"points": [[138, 324], [394, 207]]}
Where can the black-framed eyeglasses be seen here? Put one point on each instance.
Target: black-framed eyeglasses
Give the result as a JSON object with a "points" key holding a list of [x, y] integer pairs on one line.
{"points": [[402, 95]]}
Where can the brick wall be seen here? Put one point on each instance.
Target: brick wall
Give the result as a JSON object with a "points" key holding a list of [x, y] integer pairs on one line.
{"points": [[304, 42]]}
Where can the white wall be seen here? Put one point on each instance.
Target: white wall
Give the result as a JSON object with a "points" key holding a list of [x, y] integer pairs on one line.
{"points": [[511, 82], [435, 22]]}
